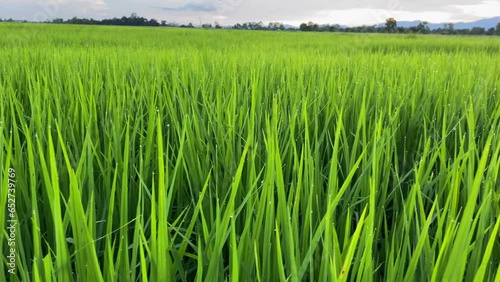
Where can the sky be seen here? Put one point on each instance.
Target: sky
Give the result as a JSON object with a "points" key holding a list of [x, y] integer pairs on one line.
{"points": [[228, 12]]}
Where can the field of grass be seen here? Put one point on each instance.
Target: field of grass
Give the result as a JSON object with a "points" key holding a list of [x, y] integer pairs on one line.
{"points": [[215, 155]]}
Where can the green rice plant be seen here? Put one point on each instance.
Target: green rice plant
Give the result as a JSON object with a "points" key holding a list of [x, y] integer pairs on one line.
{"points": [[150, 154]]}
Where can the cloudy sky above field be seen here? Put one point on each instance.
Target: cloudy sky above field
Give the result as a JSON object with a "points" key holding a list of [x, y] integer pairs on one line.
{"points": [[348, 12]]}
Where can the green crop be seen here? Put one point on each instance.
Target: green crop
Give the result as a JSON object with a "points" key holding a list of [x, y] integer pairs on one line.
{"points": [[157, 154]]}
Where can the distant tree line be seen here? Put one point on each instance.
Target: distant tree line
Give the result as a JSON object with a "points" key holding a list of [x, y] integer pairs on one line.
{"points": [[259, 26], [391, 26], [133, 20]]}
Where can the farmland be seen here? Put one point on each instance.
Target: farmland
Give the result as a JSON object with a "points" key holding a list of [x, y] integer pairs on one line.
{"points": [[158, 154]]}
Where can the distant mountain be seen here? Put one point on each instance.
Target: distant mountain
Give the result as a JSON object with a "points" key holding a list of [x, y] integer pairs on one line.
{"points": [[289, 26], [486, 23]]}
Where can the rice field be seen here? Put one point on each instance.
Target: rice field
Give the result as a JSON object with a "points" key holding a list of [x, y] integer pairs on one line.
{"points": [[157, 154]]}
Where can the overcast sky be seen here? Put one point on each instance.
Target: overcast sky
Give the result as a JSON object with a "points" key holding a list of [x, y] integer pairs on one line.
{"points": [[348, 12]]}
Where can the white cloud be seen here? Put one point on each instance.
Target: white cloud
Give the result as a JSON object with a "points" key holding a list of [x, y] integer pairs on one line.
{"points": [[374, 16], [487, 9], [218, 18], [347, 12], [40, 10]]}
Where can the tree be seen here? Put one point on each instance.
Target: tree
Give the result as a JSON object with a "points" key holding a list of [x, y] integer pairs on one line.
{"points": [[314, 26], [206, 25], [449, 28], [423, 28], [275, 26], [462, 31], [190, 25], [478, 30], [334, 28], [310, 26], [250, 25], [163, 23], [400, 29], [152, 22], [497, 30], [391, 24], [372, 29], [217, 25]]}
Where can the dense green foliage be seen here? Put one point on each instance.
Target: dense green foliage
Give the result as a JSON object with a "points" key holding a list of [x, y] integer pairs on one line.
{"points": [[169, 154]]}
